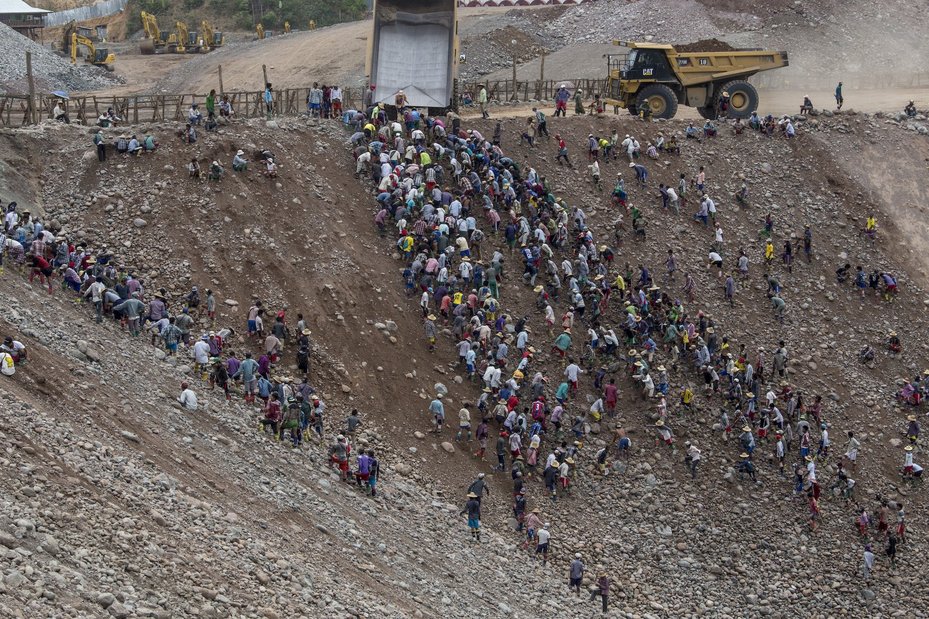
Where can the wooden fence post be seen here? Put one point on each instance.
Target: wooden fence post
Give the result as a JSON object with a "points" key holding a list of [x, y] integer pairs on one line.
{"points": [[221, 91], [32, 111]]}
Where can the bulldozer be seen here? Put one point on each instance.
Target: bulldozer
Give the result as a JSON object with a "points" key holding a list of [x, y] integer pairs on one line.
{"points": [[97, 56], [654, 78], [154, 42], [211, 38]]}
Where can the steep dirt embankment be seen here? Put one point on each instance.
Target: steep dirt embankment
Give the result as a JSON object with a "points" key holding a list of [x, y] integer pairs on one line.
{"points": [[114, 502], [306, 242], [891, 165], [719, 536], [300, 243]]}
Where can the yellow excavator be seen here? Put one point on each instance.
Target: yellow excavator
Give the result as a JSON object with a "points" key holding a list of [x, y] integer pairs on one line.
{"points": [[183, 37], [97, 56], [155, 40], [286, 27], [260, 31], [211, 38], [97, 34]]}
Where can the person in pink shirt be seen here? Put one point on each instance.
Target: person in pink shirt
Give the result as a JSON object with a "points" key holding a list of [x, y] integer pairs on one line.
{"points": [[533, 524], [494, 218], [611, 395]]}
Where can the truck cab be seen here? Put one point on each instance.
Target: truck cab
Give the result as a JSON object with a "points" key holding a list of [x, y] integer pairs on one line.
{"points": [[648, 64]]}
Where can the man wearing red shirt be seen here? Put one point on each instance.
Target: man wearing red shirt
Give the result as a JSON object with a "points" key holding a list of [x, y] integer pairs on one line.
{"points": [[42, 268], [611, 395], [272, 414]]}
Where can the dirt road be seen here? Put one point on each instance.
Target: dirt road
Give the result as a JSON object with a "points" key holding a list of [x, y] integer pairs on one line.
{"points": [[332, 55], [777, 102]]}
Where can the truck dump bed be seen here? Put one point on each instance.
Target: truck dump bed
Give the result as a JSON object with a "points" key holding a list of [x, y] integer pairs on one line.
{"points": [[414, 48]]}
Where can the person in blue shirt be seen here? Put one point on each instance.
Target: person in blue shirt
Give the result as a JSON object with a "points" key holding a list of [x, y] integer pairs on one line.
{"points": [[561, 394], [269, 100], [641, 174], [437, 409]]}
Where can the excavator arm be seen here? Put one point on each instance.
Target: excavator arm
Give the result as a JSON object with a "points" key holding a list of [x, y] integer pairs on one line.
{"points": [[100, 57], [154, 39], [181, 29], [211, 38]]}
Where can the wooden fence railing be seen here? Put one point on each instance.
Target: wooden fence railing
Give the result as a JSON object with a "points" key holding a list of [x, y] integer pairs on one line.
{"points": [[506, 90], [85, 109]]}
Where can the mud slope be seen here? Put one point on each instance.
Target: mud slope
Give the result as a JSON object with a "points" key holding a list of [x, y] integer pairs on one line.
{"points": [[305, 242]]}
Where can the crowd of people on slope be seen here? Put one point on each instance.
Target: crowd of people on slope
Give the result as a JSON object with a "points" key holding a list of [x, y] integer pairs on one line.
{"points": [[463, 211], [287, 407], [467, 216]]}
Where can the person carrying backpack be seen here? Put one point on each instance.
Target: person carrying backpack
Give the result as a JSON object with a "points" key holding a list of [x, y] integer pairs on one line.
{"points": [[541, 123], [100, 143]]}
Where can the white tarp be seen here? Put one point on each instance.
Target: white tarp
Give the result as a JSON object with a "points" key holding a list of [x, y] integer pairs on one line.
{"points": [[474, 3], [18, 7], [411, 54], [104, 8]]}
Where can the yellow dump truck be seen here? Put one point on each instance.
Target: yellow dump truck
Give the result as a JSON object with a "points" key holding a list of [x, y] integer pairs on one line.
{"points": [[655, 78]]}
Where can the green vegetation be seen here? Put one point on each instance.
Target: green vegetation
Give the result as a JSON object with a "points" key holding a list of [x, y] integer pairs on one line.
{"points": [[299, 13], [244, 14]]}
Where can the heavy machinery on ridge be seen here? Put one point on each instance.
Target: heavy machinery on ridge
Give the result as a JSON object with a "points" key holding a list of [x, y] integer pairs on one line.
{"points": [[97, 56], [155, 40], [656, 78], [211, 39], [183, 39]]}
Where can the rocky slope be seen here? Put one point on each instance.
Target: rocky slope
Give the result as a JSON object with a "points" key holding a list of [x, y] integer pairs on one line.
{"points": [[231, 524], [865, 44], [51, 71]]}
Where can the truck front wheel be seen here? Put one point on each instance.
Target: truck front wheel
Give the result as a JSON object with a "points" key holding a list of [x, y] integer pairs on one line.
{"points": [[659, 99]]}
